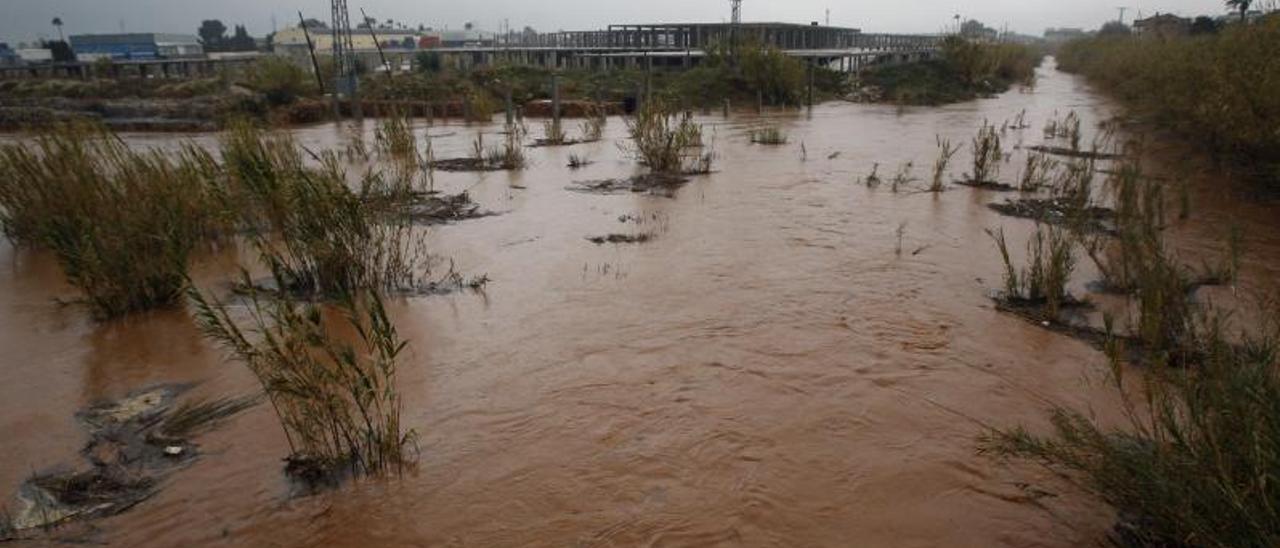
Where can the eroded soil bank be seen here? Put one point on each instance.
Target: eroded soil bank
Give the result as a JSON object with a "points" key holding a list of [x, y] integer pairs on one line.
{"points": [[763, 369]]}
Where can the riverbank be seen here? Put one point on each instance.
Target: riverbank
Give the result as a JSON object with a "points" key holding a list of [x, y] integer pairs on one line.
{"points": [[277, 93]]}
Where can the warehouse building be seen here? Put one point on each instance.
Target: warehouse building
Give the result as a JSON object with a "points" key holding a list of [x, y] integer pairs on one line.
{"points": [[137, 46]]}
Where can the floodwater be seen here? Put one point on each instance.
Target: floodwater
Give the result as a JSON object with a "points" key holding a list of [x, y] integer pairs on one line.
{"points": [[766, 371]]}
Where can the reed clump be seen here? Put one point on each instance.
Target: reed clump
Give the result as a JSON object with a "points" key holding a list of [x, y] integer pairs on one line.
{"points": [[1043, 281], [336, 399], [668, 142], [593, 127], [1036, 172], [510, 154], [318, 236], [121, 223], [260, 167], [394, 140], [946, 151], [331, 241], [987, 155], [553, 133]]}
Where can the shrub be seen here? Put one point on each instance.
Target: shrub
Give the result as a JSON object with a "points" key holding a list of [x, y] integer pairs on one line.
{"points": [[966, 69], [280, 80], [1215, 89], [1195, 463]]}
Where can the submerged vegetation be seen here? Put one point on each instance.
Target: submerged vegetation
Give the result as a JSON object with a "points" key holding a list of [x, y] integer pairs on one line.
{"points": [[987, 157], [124, 223], [769, 135], [1216, 89]]}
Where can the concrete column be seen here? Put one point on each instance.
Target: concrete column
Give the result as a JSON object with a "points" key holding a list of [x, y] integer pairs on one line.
{"points": [[555, 100]]}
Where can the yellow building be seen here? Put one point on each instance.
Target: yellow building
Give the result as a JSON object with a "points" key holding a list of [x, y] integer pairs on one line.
{"points": [[293, 37]]}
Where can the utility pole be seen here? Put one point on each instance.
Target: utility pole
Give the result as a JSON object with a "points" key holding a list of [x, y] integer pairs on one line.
{"points": [[344, 61], [734, 30], [1122, 10], [828, 17], [311, 48], [376, 43]]}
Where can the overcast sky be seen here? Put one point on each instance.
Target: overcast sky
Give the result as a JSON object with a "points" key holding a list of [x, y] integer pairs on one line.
{"points": [[24, 20]]}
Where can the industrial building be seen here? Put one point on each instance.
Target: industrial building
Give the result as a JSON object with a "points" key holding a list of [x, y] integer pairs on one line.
{"points": [[362, 39], [136, 46]]}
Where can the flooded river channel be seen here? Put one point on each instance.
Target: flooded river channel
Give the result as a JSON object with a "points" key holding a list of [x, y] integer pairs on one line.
{"points": [[767, 369]]}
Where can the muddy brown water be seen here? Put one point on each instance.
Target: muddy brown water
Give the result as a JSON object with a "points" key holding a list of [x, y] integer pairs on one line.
{"points": [[764, 371]]}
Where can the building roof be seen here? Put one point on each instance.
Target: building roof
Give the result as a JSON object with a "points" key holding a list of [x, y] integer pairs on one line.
{"points": [[132, 38]]}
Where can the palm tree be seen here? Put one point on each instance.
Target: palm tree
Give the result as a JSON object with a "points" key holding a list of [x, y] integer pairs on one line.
{"points": [[1241, 5], [57, 22]]}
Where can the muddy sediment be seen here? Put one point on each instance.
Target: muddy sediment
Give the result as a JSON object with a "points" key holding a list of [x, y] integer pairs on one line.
{"points": [[1074, 153], [444, 208], [621, 238], [134, 444], [467, 164], [654, 183], [1057, 212], [986, 185]]}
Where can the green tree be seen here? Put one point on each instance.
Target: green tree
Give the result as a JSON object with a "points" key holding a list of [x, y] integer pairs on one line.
{"points": [[212, 33], [61, 51]]}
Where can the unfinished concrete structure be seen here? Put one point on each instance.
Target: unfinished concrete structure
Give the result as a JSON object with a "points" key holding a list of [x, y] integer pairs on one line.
{"points": [[669, 46], [684, 44]]}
